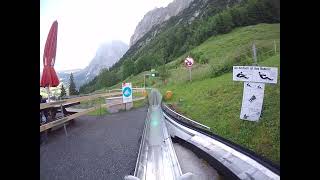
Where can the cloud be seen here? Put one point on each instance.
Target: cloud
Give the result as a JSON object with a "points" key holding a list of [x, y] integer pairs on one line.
{"points": [[84, 25]]}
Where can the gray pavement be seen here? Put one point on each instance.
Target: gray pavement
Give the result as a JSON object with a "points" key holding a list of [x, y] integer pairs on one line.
{"points": [[190, 162], [103, 147]]}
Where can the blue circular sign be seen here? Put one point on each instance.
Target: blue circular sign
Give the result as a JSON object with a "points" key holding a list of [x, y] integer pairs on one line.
{"points": [[126, 91]]}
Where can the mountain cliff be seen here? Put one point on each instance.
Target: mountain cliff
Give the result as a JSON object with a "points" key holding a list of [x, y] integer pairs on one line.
{"points": [[157, 16], [107, 54]]}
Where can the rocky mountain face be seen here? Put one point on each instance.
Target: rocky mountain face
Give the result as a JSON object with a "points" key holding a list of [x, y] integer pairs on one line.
{"points": [[107, 54], [165, 34], [157, 16]]}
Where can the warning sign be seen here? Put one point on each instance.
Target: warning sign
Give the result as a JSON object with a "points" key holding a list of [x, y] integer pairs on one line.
{"points": [[189, 61], [252, 101]]}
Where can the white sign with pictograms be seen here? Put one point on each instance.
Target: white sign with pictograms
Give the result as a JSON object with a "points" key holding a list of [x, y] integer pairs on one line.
{"points": [[252, 101], [126, 92], [254, 78], [255, 74]]}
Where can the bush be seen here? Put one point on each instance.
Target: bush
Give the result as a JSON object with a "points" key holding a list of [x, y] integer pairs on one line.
{"points": [[219, 69], [199, 57], [203, 59]]}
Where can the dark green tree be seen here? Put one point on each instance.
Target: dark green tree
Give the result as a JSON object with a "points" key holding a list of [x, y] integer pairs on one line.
{"points": [[128, 68], [72, 86], [63, 91], [106, 78]]}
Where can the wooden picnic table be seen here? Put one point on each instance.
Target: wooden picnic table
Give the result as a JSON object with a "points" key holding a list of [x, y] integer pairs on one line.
{"points": [[51, 112], [51, 115]]}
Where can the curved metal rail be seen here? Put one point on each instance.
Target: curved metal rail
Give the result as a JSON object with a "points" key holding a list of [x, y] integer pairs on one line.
{"points": [[230, 159], [183, 118]]}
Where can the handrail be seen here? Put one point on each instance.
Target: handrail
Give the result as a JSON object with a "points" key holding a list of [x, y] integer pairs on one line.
{"points": [[186, 118]]}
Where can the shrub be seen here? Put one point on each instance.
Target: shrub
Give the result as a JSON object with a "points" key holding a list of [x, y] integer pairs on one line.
{"points": [[203, 59]]}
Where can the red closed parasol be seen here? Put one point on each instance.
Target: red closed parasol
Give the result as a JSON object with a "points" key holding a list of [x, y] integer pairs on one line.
{"points": [[49, 77]]}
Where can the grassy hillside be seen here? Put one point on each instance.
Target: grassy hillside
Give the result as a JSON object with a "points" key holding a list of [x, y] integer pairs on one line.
{"points": [[214, 99], [224, 51], [221, 52], [216, 102]]}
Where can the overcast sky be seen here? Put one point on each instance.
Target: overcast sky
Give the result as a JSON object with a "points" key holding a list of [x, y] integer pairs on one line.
{"points": [[83, 25]]}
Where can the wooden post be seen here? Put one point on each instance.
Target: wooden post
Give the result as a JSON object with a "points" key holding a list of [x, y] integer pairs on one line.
{"points": [[144, 81], [254, 54]]}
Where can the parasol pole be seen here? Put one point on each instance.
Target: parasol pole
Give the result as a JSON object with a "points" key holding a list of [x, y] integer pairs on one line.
{"points": [[48, 91]]}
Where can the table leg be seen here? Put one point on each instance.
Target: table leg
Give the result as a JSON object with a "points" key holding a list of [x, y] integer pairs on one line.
{"points": [[63, 110]]}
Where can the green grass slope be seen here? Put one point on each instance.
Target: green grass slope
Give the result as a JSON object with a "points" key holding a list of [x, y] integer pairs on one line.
{"points": [[216, 102], [221, 53]]}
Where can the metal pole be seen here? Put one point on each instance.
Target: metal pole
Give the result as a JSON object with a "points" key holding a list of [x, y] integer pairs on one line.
{"points": [[190, 73], [65, 129], [254, 54], [144, 81], [100, 109], [275, 46], [48, 91]]}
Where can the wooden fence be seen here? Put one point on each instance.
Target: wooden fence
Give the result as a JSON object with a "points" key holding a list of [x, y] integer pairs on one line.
{"points": [[79, 99]]}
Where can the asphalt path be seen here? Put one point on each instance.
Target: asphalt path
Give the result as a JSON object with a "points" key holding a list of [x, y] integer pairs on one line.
{"points": [[97, 147]]}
